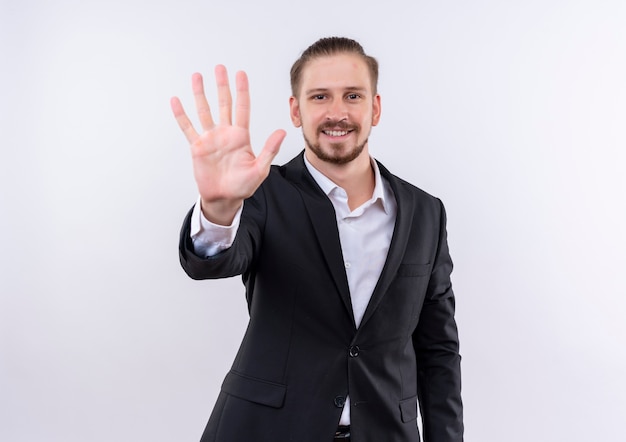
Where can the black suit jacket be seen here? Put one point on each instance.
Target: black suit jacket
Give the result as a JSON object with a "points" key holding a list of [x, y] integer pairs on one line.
{"points": [[302, 353]]}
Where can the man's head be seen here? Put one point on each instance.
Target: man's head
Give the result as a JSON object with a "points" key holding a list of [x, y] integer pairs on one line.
{"points": [[325, 47], [335, 100]]}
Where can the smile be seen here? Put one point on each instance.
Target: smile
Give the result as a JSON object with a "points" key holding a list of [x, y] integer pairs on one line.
{"points": [[336, 133]]}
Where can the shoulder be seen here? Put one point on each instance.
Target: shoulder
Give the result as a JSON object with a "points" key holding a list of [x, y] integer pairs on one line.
{"points": [[404, 189], [284, 185]]}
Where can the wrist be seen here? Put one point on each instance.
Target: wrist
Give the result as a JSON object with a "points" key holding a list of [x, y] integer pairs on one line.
{"points": [[221, 212]]}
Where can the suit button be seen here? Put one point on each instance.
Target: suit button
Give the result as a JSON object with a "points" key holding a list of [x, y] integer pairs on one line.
{"points": [[354, 351], [340, 401]]}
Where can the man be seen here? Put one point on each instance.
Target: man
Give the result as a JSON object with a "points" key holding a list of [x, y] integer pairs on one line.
{"points": [[346, 267]]}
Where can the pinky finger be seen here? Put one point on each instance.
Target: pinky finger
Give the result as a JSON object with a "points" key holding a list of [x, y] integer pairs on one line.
{"points": [[182, 120]]}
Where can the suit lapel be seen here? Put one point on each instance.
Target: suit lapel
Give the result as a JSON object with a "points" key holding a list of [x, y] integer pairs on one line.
{"points": [[324, 221], [399, 240]]}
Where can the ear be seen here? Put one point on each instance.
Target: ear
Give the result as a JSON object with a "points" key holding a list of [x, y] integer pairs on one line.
{"points": [[376, 109], [294, 111]]}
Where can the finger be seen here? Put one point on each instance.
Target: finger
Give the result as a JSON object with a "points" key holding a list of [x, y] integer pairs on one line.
{"points": [[223, 95], [183, 121], [271, 148], [202, 105], [242, 105]]}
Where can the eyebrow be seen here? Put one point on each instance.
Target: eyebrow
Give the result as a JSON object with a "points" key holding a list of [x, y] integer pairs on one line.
{"points": [[348, 89]]}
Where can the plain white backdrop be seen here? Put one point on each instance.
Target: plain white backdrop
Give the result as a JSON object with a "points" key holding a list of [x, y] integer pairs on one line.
{"points": [[512, 112]]}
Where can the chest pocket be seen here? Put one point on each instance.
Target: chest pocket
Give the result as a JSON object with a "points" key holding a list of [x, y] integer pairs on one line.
{"points": [[408, 270]]}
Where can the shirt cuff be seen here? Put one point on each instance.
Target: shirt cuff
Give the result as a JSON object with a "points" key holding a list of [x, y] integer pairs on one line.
{"points": [[208, 238]]}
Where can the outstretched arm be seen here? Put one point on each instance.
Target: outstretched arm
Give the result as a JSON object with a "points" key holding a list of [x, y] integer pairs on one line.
{"points": [[225, 168]]}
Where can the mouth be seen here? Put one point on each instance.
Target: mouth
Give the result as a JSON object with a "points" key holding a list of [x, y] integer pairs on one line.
{"points": [[336, 133]]}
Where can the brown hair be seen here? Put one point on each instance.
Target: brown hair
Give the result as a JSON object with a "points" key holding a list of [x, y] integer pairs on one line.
{"points": [[325, 47]]}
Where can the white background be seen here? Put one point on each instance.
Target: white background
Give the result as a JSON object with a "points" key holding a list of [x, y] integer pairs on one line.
{"points": [[512, 112]]}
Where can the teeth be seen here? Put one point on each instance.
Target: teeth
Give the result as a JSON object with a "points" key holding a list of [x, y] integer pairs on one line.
{"points": [[336, 133]]}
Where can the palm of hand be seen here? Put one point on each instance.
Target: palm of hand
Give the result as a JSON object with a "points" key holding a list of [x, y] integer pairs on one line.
{"points": [[225, 167], [224, 164]]}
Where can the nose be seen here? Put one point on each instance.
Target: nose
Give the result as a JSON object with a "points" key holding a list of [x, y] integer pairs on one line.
{"points": [[337, 110]]}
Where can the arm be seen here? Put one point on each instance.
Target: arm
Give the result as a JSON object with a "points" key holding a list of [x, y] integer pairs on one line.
{"points": [[209, 238], [229, 261], [437, 347]]}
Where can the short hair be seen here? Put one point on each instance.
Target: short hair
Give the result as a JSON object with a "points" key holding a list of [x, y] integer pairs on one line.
{"points": [[328, 46]]}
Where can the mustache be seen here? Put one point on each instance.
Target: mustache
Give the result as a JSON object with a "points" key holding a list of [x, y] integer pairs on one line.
{"points": [[336, 125]]}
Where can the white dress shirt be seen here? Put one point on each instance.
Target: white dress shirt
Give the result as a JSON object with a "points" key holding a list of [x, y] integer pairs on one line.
{"points": [[365, 234]]}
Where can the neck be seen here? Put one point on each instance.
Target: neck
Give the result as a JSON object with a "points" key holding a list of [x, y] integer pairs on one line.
{"points": [[356, 177]]}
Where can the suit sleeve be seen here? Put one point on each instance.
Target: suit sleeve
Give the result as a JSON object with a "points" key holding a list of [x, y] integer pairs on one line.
{"points": [[437, 348], [239, 258]]}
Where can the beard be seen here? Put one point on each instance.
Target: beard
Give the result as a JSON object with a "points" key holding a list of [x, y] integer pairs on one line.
{"points": [[339, 153]]}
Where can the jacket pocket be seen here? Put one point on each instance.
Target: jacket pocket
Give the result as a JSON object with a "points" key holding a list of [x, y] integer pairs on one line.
{"points": [[408, 409], [413, 269], [254, 389]]}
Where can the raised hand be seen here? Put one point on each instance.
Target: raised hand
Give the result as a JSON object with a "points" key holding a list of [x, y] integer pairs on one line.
{"points": [[224, 166]]}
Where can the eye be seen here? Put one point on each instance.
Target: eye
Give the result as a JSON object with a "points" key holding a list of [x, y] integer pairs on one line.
{"points": [[318, 97], [353, 96]]}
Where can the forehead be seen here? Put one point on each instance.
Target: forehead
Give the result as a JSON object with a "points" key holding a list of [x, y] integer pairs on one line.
{"points": [[339, 71]]}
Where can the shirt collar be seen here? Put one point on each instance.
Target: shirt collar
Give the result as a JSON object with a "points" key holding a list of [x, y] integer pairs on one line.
{"points": [[327, 185]]}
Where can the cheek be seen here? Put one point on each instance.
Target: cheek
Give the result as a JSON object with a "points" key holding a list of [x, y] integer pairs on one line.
{"points": [[310, 123]]}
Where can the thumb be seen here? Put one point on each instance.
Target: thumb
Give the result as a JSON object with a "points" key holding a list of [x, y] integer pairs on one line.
{"points": [[271, 148]]}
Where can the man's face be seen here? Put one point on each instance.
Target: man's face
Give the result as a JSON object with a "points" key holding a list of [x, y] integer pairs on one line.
{"points": [[336, 107]]}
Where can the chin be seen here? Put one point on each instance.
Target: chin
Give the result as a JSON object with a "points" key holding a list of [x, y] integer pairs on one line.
{"points": [[336, 153]]}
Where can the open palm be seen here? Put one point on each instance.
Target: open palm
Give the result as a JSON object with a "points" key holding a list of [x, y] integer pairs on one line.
{"points": [[225, 167]]}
